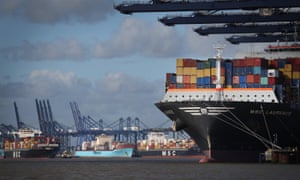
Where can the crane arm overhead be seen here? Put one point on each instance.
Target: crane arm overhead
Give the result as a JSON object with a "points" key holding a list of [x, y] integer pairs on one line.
{"points": [[261, 38], [234, 18], [233, 29], [185, 5]]}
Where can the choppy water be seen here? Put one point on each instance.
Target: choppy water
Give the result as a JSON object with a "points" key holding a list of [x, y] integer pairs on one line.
{"points": [[140, 168]]}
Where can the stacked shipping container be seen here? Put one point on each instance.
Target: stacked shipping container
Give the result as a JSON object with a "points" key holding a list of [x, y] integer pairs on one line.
{"points": [[281, 74]]}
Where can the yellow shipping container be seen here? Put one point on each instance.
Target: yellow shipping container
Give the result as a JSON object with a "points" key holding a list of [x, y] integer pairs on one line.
{"points": [[287, 74], [222, 79], [200, 73], [189, 70], [179, 70], [193, 79], [281, 69], [179, 62], [296, 75], [213, 71], [207, 72], [288, 67]]}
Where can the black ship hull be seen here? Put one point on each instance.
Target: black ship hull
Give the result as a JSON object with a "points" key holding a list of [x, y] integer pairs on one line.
{"points": [[31, 153], [235, 131], [169, 153]]}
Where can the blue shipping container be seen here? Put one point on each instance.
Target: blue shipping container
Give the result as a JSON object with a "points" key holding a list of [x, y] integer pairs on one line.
{"points": [[173, 79], [243, 79], [281, 63], [212, 62], [249, 70], [296, 82], [179, 85], [236, 86], [243, 85], [264, 73], [206, 80], [228, 65], [228, 80], [253, 85], [200, 82], [235, 71], [257, 70], [200, 65]]}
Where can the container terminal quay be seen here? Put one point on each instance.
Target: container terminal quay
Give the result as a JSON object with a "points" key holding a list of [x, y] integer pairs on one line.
{"points": [[86, 132]]}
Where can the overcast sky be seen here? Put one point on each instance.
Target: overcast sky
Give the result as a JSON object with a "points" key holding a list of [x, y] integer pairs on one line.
{"points": [[112, 65]]}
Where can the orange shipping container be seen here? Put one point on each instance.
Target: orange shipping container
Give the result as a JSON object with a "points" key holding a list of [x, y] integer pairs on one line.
{"points": [[250, 78]]}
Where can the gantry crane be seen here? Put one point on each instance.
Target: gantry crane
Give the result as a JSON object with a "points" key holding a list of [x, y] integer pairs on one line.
{"points": [[269, 20]]}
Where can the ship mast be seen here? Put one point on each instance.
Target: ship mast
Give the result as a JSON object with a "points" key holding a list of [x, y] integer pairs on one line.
{"points": [[219, 48]]}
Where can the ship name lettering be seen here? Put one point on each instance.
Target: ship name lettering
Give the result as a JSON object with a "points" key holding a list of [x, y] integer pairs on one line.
{"points": [[168, 153], [271, 112]]}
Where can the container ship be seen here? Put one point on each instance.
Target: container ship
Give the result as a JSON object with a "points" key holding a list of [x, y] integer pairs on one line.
{"points": [[158, 145], [236, 109], [30, 143], [104, 146]]}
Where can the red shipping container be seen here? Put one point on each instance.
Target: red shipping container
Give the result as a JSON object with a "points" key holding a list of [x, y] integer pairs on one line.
{"points": [[260, 62], [172, 86], [294, 60], [193, 85], [189, 63], [271, 80], [187, 85], [242, 63], [238, 63], [249, 62], [273, 64], [256, 78], [186, 79], [213, 79], [296, 67], [222, 71]]}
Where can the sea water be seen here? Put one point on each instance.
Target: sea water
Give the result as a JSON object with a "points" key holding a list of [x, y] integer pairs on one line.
{"points": [[141, 168]]}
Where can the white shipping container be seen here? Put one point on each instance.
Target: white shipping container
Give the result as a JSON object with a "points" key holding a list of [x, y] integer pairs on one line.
{"points": [[273, 73], [179, 79]]}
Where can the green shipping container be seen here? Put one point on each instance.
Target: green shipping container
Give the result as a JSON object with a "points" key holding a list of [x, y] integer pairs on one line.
{"points": [[264, 80]]}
